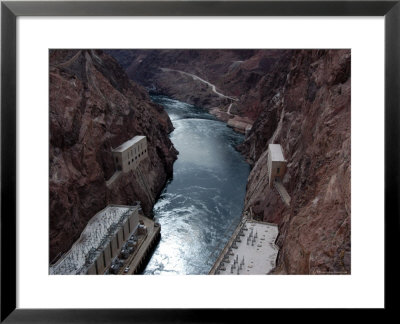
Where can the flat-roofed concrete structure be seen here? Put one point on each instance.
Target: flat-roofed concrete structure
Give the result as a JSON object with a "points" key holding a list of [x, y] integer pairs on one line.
{"points": [[100, 242], [251, 250], [276, 163], [128, 155]]}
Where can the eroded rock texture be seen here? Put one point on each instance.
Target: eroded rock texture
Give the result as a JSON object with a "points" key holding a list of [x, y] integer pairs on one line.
{"points": [[308, 113], [234, 73], [297, 98], [93, 108]]}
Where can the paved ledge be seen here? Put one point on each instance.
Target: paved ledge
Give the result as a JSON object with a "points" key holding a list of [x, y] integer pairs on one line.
{"points": [[251, 250]]}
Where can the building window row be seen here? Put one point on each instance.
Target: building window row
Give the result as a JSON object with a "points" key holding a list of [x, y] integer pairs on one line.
{"points": [[132, 152]]}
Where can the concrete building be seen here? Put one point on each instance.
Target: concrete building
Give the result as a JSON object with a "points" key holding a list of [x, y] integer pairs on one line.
{"points": [[100, 242], [276, 163], [128, 155]]}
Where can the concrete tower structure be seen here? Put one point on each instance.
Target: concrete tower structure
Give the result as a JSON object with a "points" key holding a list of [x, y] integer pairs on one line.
{"points": [[276, 163], [128, 155]]}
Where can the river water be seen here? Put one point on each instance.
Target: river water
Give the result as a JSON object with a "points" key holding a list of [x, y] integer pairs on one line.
{"points": [[201, 206]]}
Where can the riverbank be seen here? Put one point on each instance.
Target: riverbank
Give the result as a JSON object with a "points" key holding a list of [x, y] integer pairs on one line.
{"points": [[299, 99], [202, 204]]}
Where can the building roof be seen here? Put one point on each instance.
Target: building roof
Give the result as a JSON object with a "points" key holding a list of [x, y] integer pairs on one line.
{"points": [[97, 233], [259, 256], [129, 143], [276, 152]]}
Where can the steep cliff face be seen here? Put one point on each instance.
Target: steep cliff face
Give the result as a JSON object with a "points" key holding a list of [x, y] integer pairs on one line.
{"points": [[189, 76], [307, 111], [93, 108], [299, 99]]}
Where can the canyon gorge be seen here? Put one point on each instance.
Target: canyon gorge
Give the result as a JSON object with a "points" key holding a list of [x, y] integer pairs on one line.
{"points": [[299, 99]]}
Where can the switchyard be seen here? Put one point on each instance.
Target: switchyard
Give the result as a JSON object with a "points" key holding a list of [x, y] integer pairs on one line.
{"points": [[251, 250]]}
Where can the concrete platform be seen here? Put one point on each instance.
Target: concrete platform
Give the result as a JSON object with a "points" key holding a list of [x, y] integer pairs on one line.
{"points": [[251, 250]]}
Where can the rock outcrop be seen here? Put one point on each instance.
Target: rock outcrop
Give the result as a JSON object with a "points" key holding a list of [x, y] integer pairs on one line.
{"points": [[222, 81], [297, 98], [307, 111], [94, 107]]}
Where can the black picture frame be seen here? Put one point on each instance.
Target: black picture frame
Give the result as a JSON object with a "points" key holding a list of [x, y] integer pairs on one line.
{"points": [[11, 10]]}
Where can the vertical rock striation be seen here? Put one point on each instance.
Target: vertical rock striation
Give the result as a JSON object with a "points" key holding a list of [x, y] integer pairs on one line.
{"points": [[307, 111], [177, 73], [297, 98], [94, 107]]}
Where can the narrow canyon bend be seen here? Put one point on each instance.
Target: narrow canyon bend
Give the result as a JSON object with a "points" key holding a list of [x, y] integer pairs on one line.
{"points": [[299, 99]]}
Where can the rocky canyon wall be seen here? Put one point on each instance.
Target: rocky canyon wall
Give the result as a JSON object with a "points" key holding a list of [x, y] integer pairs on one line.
{"points": [[180, 74], [94, 107], [308, 112], [297, 98]]}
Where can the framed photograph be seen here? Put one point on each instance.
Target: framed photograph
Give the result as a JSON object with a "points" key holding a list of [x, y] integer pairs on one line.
{"points": [[237, 155]]}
